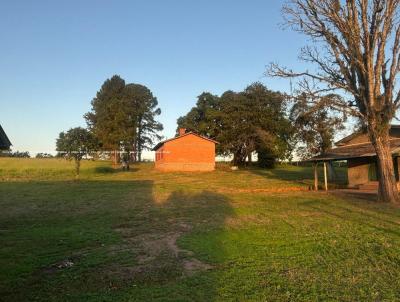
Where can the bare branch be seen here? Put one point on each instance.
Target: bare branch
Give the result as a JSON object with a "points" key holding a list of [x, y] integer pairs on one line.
{"points": [[355, 36]]}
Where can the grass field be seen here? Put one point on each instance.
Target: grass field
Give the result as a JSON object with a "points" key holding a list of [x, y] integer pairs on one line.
{"points": [[249, 235]]}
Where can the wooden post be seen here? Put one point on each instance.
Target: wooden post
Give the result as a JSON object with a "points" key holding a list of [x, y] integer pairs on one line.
{"points": [[316, 176], [325, 177], [331, 168], [114, 158]]}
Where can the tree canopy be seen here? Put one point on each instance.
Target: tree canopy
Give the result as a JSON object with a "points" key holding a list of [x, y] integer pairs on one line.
{"points": [[243, 122], [75, 144], [124, 116], [315, 126], [147, 128], [109, 118], [203, 118]]}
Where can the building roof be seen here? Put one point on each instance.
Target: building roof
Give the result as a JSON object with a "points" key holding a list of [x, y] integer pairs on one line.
{"points": [[358, 145], [4, 141], [393, 132], [355, 151], [160, 144]]}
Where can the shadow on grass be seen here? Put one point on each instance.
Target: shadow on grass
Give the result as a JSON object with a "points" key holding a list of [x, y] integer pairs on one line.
{"points": [[356, 194], [100, 240], [111, 170], [360, 212], [303, 176]]}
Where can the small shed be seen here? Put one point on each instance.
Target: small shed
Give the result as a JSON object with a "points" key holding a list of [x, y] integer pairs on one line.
{"points": [[188, 151], [5, 143], [360, 155]]}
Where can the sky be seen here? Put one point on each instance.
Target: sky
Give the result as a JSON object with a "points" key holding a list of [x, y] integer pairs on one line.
{"points": [[55, 55]]}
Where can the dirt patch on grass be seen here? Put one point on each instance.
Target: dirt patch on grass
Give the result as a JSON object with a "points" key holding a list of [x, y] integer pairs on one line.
{"points": [[58, 266], [193, 265], [159, 257]]}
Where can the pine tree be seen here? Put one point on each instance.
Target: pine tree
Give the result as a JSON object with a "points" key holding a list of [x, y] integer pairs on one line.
{"points": [[123, 116]]}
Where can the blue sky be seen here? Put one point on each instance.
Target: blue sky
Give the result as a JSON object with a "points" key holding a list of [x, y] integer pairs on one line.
{"points": [[54, 56]]}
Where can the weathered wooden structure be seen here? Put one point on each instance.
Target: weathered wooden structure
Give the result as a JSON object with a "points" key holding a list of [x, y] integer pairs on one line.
{"points": [[360, 155], [5, 143]]}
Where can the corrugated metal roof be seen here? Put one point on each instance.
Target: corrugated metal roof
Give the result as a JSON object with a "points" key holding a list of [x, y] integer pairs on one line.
{"points": [[345, 149], [394, 132], [4, 141], [354, 151], [174, 138]]}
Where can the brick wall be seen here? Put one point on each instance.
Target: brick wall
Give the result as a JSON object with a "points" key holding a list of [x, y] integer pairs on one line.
{"points": [[189, 167], [186, 153]]}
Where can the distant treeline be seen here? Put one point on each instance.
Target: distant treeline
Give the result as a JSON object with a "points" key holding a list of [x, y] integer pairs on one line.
{"points": [[18, 154]]}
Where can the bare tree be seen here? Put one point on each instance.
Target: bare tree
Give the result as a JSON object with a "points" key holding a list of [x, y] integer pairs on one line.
{"points": [[356, 49]]}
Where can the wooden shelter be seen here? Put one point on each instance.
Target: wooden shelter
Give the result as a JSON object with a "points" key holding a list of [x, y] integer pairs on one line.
{"points": [[360, 155], [5, 143]]}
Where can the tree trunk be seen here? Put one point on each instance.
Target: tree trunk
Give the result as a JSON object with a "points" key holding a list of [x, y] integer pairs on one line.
{"points": [[77, 168], [239, 158], [134, 158], [139, 155], [115, 156], [236, 160], [139, 141], [387, 191], [126, 159]]}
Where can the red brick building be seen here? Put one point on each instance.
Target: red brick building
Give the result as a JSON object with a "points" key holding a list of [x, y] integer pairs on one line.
{"points": [[186, 152]]}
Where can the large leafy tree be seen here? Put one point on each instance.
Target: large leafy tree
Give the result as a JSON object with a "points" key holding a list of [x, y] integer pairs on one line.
{"points": [[236, 134], [356, 49], [243, 122], [204, 117], [254, 120], [76, 143], [316, 126], [274, 129], [124, 116]]}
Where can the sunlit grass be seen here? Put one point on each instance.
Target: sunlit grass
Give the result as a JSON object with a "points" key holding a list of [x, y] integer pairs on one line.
{"points": [[225, 235]]}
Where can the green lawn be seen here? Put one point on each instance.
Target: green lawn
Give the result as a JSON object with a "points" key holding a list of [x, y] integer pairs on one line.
{"points": [[249, 235]]}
